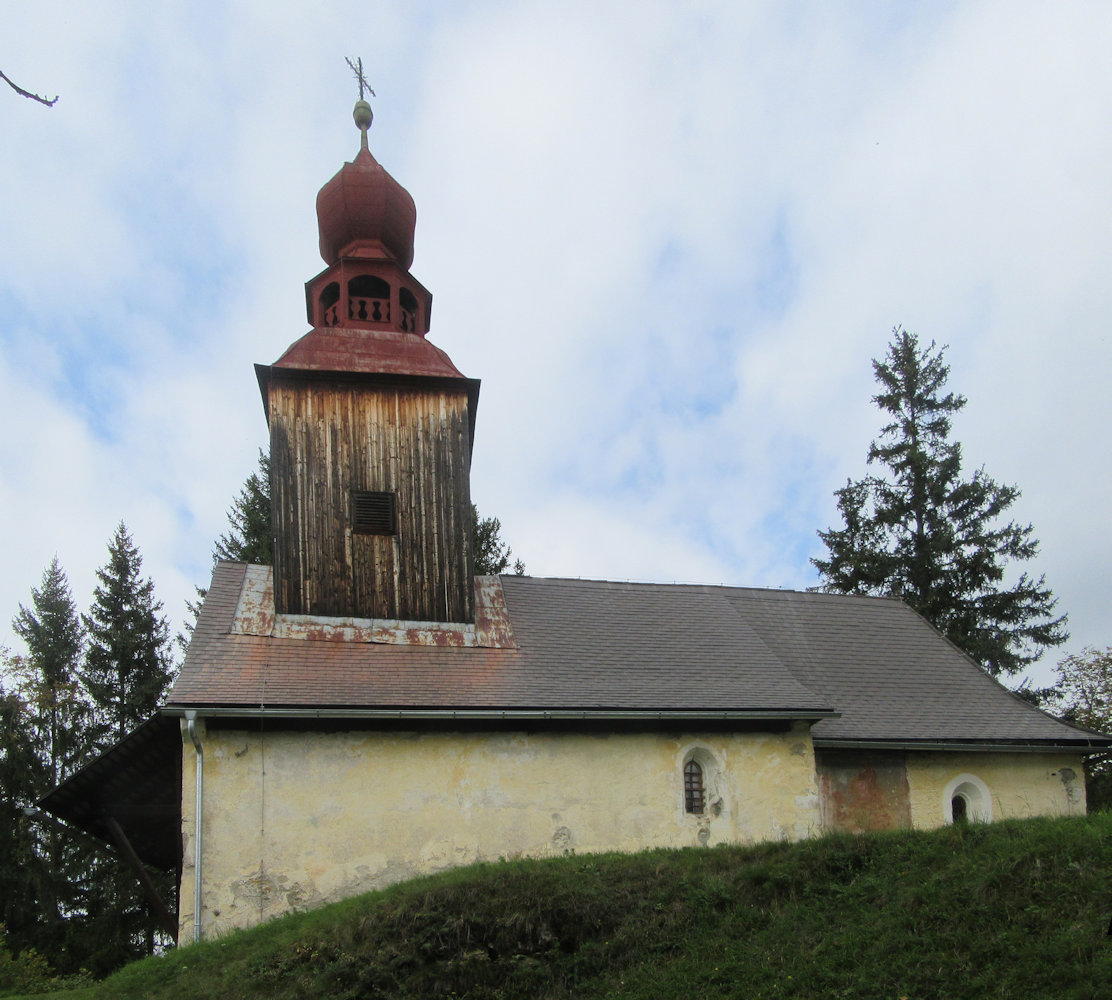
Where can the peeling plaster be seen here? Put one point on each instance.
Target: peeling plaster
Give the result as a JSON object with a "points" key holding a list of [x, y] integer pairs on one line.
{"points": [[334, 814]]}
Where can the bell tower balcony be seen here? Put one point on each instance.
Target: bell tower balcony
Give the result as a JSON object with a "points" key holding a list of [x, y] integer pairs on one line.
{"points": [[361, 294]]}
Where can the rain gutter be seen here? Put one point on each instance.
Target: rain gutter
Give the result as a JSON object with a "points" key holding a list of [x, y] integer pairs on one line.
{"points": [[1019, 746], [294, 712]]}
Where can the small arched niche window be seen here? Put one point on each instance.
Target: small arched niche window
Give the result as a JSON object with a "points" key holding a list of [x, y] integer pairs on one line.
{"points": [[369, 299], [701, 774], [694, 793], [966, 799]]}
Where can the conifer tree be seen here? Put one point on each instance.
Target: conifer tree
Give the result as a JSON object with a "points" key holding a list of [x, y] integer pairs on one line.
{"points": [[51, 628], [53, 714], [21, 774], [922, 531], [127, 665], [492, 555], [45, 871], [126, 671], [248, 539]]}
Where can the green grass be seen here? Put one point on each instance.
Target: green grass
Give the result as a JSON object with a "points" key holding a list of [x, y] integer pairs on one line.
{"points": [[1016, 909]]}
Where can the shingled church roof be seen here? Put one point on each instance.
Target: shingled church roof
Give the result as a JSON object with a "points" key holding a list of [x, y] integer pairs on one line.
{"points": [[866, 670]]}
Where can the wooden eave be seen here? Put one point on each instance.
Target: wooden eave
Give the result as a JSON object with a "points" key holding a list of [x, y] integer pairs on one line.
{"points": [[266, 373], [137, 783]]}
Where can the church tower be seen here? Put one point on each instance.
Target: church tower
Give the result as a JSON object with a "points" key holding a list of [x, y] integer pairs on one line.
{"points": [[371, 425]]}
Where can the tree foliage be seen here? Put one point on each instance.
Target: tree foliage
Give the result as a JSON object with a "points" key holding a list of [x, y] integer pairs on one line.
{"points": [[60, 704], [125, 674], [21, 773], [55, 639], [492, 555], [921, 530], [1084, 688], [127, 666], [49, 719], [1083, 694], [249, 536]]}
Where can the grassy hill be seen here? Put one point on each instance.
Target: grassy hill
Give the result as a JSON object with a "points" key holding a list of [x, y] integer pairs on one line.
{"points": [[1016, 909]]}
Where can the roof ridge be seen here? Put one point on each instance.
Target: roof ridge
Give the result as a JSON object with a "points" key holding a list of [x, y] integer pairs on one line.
{"points": [[709, 587]]}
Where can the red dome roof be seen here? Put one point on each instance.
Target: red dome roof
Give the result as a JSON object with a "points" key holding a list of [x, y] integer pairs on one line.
{"points": [[364, 205]]}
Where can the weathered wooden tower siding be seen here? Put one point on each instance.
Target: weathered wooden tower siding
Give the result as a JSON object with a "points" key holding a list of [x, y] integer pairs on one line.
{"points": [[331, 437]]}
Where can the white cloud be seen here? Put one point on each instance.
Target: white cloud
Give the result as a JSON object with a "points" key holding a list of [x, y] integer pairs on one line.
{"points": [[668, 238]]}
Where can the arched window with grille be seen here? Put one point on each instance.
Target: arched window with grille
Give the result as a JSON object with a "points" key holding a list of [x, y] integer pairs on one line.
{"points": [[693, 792]]}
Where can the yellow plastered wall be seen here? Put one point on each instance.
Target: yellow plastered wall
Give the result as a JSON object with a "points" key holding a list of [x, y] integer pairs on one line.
{"points": [[1018, 785], [293, 820]]}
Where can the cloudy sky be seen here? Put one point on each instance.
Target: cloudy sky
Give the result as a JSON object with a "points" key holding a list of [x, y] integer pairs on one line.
{"points": [[668, 237]]}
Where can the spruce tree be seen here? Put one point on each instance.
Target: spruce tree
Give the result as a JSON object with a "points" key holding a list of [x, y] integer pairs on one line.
{"points": [[45, 871], [492, 555], [920, 530], [126, 671], [127, 665], [51, 628], [248, 539], [55, 718], [21, 777]]}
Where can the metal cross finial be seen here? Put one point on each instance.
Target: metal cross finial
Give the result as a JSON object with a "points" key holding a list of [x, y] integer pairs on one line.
{"points": [[357, 69], [362, 114]]}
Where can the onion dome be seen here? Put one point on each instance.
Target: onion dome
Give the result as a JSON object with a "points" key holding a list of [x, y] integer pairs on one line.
{"points": [[368, 314], [363, 211]]}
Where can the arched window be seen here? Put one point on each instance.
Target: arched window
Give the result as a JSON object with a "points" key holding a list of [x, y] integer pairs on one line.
{"points": [[369, 299], [966, 799], [409, 310], [328, 299], [693, 794]]}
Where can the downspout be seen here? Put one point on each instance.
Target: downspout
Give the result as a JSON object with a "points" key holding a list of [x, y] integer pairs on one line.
{"points": [[191, 723]]}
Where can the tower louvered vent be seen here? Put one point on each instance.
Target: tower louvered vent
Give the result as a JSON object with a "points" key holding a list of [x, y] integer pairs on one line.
{"points": [[374, 513]]}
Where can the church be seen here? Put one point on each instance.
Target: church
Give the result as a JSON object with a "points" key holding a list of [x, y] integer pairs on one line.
{"points": [[366, 709]]}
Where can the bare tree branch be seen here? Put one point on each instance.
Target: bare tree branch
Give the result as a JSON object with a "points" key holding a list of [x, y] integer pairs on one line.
{"points": [[26, 93]]}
